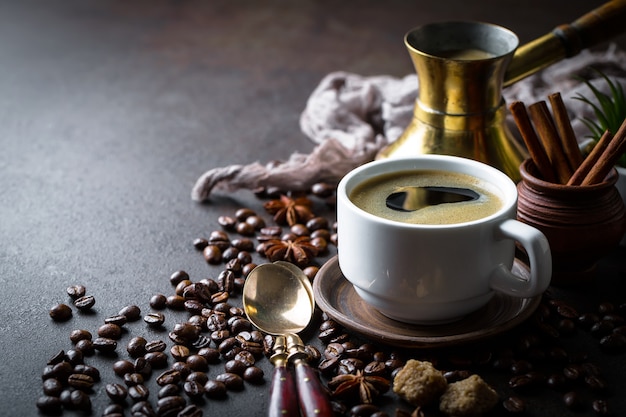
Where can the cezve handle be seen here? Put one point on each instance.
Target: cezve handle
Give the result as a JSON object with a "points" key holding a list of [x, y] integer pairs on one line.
{"points": [[567, 40], [314, 401]]}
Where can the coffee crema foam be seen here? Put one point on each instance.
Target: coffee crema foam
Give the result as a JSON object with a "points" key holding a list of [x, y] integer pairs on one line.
{"points": [[371, 196]]}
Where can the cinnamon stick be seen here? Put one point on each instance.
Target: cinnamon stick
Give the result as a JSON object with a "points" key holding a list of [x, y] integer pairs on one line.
{"points": [[590, 161], [566, 132], [535, 148], [608, 158], [546, 130]]}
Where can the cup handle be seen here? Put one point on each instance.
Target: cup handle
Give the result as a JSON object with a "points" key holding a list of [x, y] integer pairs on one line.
{"points": [[538, 250]]}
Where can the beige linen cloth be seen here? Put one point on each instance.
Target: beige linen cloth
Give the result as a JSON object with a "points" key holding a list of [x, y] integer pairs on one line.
{"points": [[351, 117]]}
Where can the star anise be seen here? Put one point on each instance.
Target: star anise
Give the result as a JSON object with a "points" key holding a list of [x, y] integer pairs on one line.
{"points": [[364, 388], [290, 211], [299, 251]]}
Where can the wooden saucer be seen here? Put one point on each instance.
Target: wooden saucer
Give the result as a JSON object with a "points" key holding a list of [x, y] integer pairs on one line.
{"points": [[337, 298]]}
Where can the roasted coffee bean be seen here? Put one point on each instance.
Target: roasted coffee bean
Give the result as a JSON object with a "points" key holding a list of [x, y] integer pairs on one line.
{"points": [[606, 307], [186, 331], [154, 319], [104, 345], [456, 375], [116, 392], [175, 302], [215, 389], [138, 392], [602, 328], [118, 320], [87, 370], [76, 291], [113, 410], [133, 378], [193, 389], [526, 381], [182, 368], [79, 334], [596, 383], [158, 301], [136, 346], [211, 355], [79, 400], [59, 370], [198, 376], [227, 222], [168, 390], [197, 363], [514, 405], [194, 307], [131, 312], [245, 229], [110, 331], [232, 381], [52, 387], [179, 352], [66, 398], [170, 406], [178, 276], [225, 281], [191, 410], [613, 343], [236, 367], [143, 367], [85, 346], [74, 356], [57, 358], [157, 360], [155, 346], [216, 322], [220, 237], [142, 409], [168, 377], [328, 366], [521, 367], [573, 400], [200, 243], [246, 358], [349, 366], [334, 350], [253, 375], [586, 320], [86, 302], [573, 372], [212, 254], [600, 407], [60, 312], [247, 268], [180, 288], [80, 381], [363, 410]]}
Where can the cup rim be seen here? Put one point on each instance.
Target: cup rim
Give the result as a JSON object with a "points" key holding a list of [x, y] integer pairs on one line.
{"points": [[509, 195]]}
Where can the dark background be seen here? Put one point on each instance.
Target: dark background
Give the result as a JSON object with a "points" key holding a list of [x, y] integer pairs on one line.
{"points": [[109, 112]]}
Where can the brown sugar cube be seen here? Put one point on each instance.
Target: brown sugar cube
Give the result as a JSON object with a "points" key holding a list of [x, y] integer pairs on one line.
{"points": [[469, 397], [419, 383]]}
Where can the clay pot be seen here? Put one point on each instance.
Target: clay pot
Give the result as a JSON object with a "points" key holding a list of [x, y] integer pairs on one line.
{"points": [[582, 223]]}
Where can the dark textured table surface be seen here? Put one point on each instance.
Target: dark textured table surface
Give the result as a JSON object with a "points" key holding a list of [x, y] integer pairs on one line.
{"points": [[110, 110]]}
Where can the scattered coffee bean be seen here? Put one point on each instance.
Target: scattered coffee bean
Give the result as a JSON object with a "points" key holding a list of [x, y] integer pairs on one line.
{"points": [[170, 406], [154, 319], [104, 345], [61, 312], [232, 381], [110, 331], [136, 346], [118, 320], [76, 291], [80, 381], [79, 334], [116, 392], [215, 389], [84, 303], [138, 392], [131, 312]]}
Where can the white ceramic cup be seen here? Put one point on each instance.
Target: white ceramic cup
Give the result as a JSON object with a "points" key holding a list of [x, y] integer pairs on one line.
{"points": [[429, 274]]}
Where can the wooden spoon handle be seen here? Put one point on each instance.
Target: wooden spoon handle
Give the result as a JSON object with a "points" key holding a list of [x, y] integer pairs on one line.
{"points": [[314, 401], [283, 396]]}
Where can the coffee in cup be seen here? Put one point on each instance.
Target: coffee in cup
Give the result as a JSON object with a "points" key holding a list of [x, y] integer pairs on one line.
{"points": [[427, 197], [435, 270]]}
